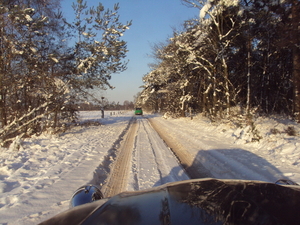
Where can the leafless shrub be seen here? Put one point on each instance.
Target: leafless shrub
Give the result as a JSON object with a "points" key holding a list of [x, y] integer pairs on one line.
{"points": [[290, 130], [274, 131], [89, 123]]}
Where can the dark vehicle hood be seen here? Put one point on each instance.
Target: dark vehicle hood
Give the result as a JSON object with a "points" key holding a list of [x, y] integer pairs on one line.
{"points": [[200, 201]]}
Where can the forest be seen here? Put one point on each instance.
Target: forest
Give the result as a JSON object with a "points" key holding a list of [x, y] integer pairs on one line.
{"points": [[238, 53], [49, 65]]}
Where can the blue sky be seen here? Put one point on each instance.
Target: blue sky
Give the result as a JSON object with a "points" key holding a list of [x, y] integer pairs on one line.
{"points": [[152, 22]]}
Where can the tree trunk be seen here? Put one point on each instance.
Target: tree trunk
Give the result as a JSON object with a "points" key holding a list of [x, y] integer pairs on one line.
{"points": [[248, 103], [225, 67], [296, 57], [214, 101], [3, 118]]}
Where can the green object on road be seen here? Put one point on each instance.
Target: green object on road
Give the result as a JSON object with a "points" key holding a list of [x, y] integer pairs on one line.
{"points": [[138, 111]]}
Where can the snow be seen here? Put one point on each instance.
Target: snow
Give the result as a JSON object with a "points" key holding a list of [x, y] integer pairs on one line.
{"points": [[28, 18], [39, 174], [204, 10], [33, 49], [54, 59], [230, 153], [149, 161]]}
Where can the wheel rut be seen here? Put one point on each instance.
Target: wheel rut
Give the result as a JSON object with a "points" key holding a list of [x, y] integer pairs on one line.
{"points": [[117, 180], [137, 133], [193, 169]]}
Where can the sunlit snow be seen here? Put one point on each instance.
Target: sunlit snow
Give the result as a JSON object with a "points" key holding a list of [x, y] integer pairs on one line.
{"points": [[38, 175]]}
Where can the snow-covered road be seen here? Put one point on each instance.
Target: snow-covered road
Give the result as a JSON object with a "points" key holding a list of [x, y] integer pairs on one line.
{"points": [[37, 181], [153, 163], [221, 158], [143, 161]]}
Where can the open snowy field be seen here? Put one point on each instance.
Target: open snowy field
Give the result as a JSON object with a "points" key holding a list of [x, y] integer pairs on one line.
{"points": [[38, 179]]}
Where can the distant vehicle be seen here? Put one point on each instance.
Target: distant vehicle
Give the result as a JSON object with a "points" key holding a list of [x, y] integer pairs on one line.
{"points": [[138, 111]]}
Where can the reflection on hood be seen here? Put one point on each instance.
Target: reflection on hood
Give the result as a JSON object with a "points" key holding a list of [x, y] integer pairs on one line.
{"points": [[199, 201], [237, 202]]}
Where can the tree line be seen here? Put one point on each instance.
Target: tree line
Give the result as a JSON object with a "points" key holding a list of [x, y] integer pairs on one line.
{"points": [[49, 64], [242, 53], [106, 105]]}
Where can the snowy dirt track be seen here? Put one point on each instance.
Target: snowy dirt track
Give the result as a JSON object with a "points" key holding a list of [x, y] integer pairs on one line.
{"points": [[228, 158], [153, 162], [125, 153], [143, 161]]}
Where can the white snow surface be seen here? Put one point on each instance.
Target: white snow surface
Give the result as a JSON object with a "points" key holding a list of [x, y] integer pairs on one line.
{"points": [[39, 175]]}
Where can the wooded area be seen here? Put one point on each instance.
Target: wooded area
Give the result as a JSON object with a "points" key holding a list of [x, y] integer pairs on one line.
{"points": [[243, 53], [48, 64], [239, 53]]}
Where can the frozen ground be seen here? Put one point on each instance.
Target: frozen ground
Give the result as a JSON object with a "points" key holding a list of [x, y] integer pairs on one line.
{"points": [[37, 180], [230, 153]]}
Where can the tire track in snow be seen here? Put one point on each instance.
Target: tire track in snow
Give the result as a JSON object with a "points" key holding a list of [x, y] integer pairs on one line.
{"points": [[118, 177], [142, 160], [205, 153], [165, 159], [147, 173], [101, 173], [192, 167], [153, 162]]}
